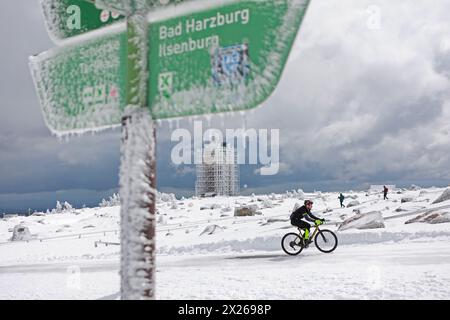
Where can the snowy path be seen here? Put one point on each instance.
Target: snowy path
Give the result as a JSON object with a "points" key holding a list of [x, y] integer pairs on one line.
{"points": [[406, 270]]}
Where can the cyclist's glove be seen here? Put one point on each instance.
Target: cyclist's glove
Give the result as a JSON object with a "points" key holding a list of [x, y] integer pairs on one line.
{"points": [[318, 222]]}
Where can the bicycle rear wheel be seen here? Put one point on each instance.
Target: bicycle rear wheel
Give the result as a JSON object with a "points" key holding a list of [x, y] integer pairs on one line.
{"points": [[292, 244], [326, 241]]}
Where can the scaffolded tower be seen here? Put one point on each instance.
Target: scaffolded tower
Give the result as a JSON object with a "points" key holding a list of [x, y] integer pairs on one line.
{"points": [[218, 174]]}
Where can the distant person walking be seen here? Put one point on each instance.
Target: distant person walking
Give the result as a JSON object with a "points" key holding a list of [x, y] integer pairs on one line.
{"points": [[341, 199], [385, 192]]}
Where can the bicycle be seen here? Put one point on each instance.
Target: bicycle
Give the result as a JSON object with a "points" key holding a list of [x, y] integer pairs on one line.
{"points": [[325, 240]]}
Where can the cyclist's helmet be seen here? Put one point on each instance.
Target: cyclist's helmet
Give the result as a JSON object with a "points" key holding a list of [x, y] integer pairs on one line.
{"points": [[308, 202]]}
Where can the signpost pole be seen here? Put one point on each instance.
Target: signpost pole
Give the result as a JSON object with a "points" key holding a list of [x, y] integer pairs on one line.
{"points": [[138, 170]]}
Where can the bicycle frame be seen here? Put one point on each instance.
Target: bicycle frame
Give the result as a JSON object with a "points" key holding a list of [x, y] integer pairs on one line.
{"points": [[312, 235]]}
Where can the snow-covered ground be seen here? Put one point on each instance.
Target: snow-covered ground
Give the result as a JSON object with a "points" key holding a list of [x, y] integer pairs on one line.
{"points": [[242, 258]]}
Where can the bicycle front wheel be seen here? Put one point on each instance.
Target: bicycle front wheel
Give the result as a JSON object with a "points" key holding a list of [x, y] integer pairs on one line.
{"points": [[292, 244], [326, 241]]}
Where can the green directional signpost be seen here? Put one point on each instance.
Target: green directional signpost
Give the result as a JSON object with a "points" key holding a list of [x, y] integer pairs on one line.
{"points": [[68, 18], [225, 58], [82, 86], [202, 57]]}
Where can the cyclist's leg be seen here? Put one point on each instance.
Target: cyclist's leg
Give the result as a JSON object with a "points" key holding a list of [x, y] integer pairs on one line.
{"points": [[306, 226]]}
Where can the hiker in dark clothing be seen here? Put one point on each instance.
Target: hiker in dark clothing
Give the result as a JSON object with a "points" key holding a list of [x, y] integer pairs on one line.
{"points": [[385, 191], [304, 212], [341, 199]]}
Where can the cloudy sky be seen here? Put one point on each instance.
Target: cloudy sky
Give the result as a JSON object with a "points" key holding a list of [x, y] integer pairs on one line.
{"points": [[364, 100]]}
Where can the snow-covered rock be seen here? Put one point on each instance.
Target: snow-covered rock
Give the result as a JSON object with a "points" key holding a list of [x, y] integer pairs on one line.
{"points": [[226, 209], [407, 199], [353, 204], [245, 211], [431, 217], [443, 197], [370, 220], [21, 233], [211, 229], [422, 193], [161, 220], [211, 206], [38, 214], [273, 220]]}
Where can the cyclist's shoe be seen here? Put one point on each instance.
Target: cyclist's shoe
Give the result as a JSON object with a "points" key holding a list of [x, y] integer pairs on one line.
{"points": [[306, 243]]}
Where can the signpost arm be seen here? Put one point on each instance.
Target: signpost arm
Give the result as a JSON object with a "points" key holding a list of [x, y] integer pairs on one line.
{"points": [[138, 170]]}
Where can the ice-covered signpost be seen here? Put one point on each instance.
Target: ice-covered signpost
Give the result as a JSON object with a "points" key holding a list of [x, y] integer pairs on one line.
{"points": [[206, 56]]}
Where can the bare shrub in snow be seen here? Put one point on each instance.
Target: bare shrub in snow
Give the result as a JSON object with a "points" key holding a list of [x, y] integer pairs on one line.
{"points": [[165, 197], [267, 204], [59, 208], [67, 207], [113, 201], [62, 208]]}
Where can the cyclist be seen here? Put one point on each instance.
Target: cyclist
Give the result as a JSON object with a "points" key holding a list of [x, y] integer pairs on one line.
{"points": [[304, 212]]}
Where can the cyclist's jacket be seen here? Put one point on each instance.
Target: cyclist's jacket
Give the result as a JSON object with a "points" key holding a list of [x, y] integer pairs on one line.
{"points": [[303, 213]]}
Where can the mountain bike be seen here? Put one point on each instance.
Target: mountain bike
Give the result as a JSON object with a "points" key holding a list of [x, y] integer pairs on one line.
{"points": [[325, 240]]}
